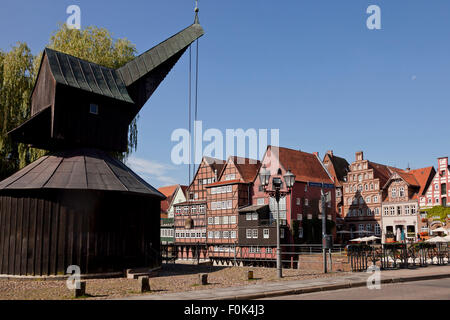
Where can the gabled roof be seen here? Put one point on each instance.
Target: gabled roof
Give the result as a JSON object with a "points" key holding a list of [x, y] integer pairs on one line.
{"points": [[340, 167], [383, 172], [88, 76], [248, 168], [169, 192], [80, 169], [424, 176], [306, 167]]}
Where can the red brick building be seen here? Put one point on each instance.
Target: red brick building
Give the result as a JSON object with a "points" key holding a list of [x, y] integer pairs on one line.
{"points": [[232, 191], [338, 168], [363, 196], [299, 211], [190, 216]]}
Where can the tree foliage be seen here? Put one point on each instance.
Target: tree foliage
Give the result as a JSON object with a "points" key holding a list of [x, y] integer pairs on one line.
{"points": [[18, 71], [439, 211]]}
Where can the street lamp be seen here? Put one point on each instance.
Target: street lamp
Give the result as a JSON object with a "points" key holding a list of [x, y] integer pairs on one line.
{"points": [[277, 183]]}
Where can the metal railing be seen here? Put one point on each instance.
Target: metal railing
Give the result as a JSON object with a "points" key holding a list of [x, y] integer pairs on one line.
{"points": [[397, 255]]}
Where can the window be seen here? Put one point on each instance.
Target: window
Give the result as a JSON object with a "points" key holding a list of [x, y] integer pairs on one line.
{"points": [[210, 220], [407, 210], [226, 234], [350, 200], [386, 211], [248, 216], [260, 201], [229, 188], [298, 201], [254, 216], [413, 209], [394, 192], [360, 188], [371, 186], [233, 234], [436, 187], [233, 220], [248, 233], [375, 199], [216, 220], [361, 227], [266, 233], [436, 200], [255, 233], [268, 250], [366, 187], [282, 233], [399, 210], [402, 192], [368, 199], [217, 234], [377, 229], [306, 202], [368, 227], [229, 204], [299, 216], [392, 210], [202, 209], [300, 232], [226, 220], [93, 108]]}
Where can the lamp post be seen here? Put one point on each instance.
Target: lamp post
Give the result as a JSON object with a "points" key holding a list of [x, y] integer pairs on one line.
{"points": [[277, 193]]}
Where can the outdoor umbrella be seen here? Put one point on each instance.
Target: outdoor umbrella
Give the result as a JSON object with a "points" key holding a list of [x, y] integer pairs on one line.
{"points": [[441, 230], [372, 238], [357, 239], [447, 238], [437, 240]]}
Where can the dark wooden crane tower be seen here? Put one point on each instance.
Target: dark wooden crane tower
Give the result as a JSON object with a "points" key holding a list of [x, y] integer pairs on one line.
{"points": [[78, 205]]}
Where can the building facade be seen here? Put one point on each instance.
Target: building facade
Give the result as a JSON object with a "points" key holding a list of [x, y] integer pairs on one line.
{"points": [[400, 207], [190, 216], [363, 196], [438, 193], [174, 195], [338, 168], [299, 210], [225, 197]]}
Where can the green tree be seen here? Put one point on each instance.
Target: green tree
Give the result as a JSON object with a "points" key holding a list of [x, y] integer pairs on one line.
{"points": [[16, 83], [18, 71]]}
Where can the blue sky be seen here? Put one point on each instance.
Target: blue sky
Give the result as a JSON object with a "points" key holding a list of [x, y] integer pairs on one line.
{"points": [[309, 68]]}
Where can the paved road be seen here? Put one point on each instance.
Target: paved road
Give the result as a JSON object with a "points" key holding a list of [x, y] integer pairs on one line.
{"points": [[419, 290]]}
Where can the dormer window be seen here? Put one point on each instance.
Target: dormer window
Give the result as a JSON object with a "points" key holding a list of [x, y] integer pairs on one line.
{"points": [[93, 108]]}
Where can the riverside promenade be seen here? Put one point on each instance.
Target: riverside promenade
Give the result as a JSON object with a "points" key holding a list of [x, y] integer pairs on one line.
{"points": [[285, 288]]}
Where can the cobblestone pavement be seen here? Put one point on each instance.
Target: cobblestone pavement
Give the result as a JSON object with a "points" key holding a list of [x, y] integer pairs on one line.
{"points": [[171, 279]]}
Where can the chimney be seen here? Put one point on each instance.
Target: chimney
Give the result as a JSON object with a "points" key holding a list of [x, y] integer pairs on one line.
{"points": [[359, 156], [330, 152], [316, 154]]}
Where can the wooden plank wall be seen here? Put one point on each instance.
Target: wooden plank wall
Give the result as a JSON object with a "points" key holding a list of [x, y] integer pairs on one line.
{"points": [[44, 232]]}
